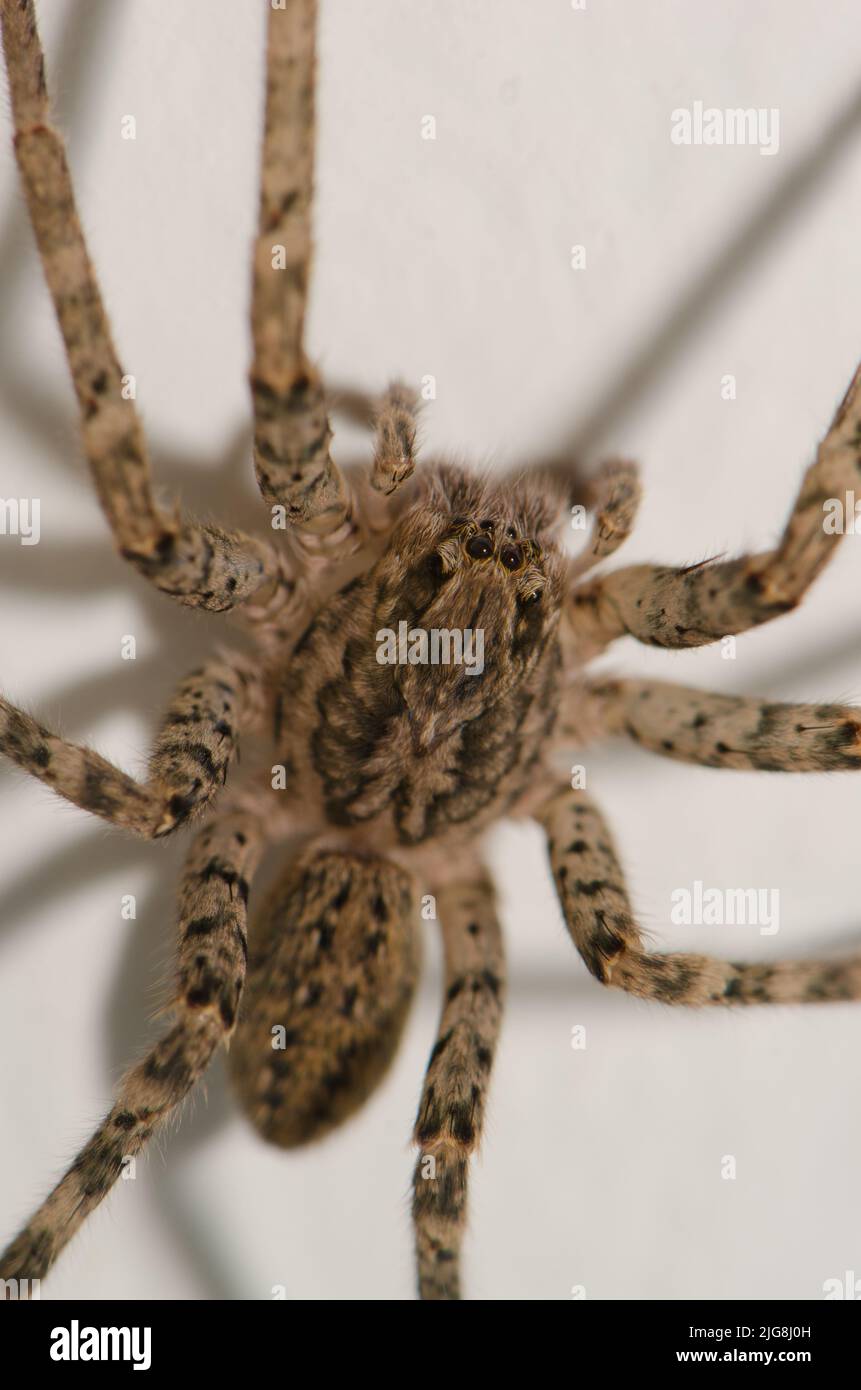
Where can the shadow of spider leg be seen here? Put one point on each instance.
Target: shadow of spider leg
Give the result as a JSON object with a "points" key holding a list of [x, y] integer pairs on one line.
{"points": [[212, 955], [594, 900], [451, 1112]]}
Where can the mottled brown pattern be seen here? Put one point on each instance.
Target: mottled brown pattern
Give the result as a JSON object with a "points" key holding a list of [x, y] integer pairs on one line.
{"points": [[614, 498], [395, 444], [598, 914], [188, 765], [382, 778], [203, 566], [406, 753], [451, 1110], [211, 969], [291, 426], [697, 726], [332, 970], [695, 604]]}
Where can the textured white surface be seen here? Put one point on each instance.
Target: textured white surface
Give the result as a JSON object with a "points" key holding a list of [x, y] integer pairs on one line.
{"points": [[452, 257]]}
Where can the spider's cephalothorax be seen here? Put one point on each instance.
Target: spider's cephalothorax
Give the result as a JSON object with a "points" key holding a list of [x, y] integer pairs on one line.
{"points": [[414, 667], [420, 695]]}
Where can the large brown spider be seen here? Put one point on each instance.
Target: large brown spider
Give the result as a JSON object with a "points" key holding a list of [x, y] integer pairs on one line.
{"points": [[393, 771]]}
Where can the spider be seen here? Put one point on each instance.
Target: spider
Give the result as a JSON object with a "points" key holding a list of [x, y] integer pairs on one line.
{"points": [[389, 772]]}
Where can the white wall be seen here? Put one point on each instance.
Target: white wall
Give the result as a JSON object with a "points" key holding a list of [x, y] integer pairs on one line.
{"points": [[452, 257]]}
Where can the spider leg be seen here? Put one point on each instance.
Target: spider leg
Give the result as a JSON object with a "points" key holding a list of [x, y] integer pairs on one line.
{"points": [[696, 604], [212, 950], [451, 1111], [614, 495], [598, 915], [738, 731], [292, 461], [395, 443], [187, 767], [200, 565]]}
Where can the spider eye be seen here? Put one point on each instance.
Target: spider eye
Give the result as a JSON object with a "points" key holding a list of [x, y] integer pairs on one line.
{"points": [[529, 600], [510, 557], [486, 525], [479, 547]]}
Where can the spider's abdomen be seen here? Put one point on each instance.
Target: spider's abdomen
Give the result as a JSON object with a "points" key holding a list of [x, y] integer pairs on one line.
{"points": [[333, 963]]}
